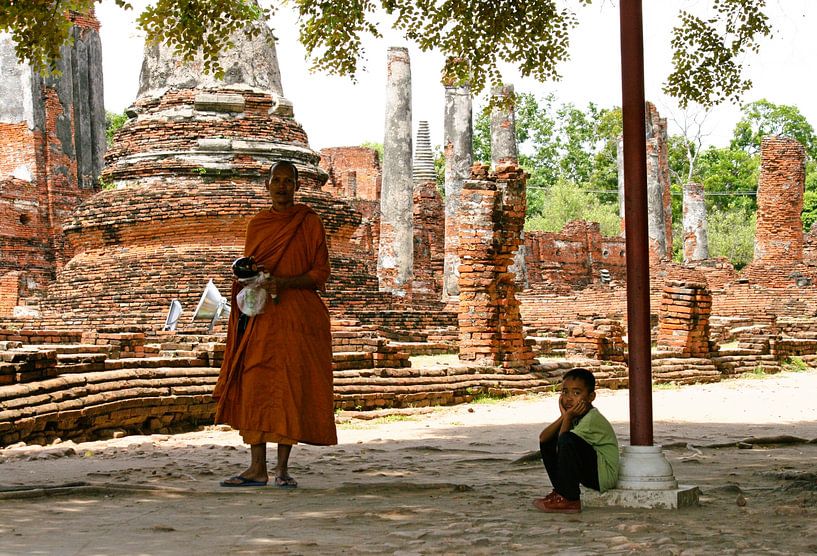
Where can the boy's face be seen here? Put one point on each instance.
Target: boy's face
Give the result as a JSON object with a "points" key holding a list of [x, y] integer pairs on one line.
{"points": [[574, 391]]}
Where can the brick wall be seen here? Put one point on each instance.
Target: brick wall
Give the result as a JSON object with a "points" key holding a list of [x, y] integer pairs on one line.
{"points": [[354, 172], [19, 149], [429, 240], [572, 258]]}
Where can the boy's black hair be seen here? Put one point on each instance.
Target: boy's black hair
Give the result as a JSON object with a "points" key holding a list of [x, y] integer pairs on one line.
{"points": [[580, 373], [284, 164]]}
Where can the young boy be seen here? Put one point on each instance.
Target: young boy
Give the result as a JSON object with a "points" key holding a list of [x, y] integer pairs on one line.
{"points": [[578, 447]]}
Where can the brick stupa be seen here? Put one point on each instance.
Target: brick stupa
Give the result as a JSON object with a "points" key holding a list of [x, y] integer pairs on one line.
{"points": [[186, 172]]}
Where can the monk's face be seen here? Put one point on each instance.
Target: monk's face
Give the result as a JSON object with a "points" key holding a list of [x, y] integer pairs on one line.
{"points": [[281, 187]]}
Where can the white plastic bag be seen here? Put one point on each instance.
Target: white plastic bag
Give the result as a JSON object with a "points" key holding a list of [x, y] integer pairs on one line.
{"points": [[253, 296]]}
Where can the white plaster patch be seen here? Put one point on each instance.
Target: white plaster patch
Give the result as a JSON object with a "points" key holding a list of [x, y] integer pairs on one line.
{"points": [[23, 173]]}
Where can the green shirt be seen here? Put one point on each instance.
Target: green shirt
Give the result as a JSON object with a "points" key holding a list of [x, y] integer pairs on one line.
{"points": [[594, 429]]}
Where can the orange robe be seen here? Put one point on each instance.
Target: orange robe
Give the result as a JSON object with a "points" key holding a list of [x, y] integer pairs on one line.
{"points": [[278, 378]]}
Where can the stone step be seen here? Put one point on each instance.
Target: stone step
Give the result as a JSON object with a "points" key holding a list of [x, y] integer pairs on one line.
{"points": [[75, 348], [423, 348], [153, 362]]}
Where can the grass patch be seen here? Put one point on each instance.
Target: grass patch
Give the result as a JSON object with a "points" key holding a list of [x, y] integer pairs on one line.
{"points": [[666, 386], [795, 364], [488, 398], [359, 424], [757, 372]]}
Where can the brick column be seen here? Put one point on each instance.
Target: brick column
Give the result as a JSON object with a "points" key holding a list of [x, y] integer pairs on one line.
{"points": [[696, 246], [458, 134], [779, 231], [504, 151], [491, 219], [683, 318]]}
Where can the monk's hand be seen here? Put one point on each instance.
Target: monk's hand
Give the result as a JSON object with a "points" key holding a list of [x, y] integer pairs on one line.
{"points": [[273, 287]]}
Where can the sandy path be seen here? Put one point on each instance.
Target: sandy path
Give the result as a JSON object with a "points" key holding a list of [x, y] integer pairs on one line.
{"points": [[441, 482]]}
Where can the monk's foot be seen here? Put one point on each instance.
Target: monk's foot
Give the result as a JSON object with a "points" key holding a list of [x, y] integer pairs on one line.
{"points": [[285, 481], [240, 481]]}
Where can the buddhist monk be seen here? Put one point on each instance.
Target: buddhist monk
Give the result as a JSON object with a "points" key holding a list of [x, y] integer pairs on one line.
{"points": [[275, 384]]}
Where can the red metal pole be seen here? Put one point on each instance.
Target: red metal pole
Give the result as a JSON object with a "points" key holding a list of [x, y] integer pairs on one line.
{"points": [[635, 222]]}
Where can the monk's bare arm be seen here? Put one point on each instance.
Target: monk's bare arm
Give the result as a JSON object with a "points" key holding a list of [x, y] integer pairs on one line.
{"points": [[304, 281]]}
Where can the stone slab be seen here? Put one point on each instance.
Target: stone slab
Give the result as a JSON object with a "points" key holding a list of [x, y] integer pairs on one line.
{"points": [[685, 496]]}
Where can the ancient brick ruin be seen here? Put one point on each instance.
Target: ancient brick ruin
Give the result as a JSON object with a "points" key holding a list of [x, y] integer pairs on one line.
{"points": [[88, 275], [52, 140]]}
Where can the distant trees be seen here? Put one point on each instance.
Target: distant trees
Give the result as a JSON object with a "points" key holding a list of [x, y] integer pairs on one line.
{"points": [[570, 154], [565, 146]]}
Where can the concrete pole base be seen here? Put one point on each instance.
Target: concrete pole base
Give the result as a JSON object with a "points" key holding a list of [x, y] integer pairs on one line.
{"points": [[645, 480], [645, 468]]}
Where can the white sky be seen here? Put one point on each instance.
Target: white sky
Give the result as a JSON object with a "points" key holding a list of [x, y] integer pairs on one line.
{"points": [[336, 112]]}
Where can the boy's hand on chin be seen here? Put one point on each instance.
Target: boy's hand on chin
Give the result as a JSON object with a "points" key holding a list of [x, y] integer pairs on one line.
{"points": [[579, 409]]}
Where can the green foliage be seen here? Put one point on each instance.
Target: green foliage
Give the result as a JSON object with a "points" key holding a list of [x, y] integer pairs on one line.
{"points": [[113, 122], [705, 52], [795, 364], [532, 35], [201, 26], [761, 118], [731, 234], [564, 202], [40, 28], [484, 397], [475, 36], [377, 147], [809, 215], [728, 171], [560, 142]]}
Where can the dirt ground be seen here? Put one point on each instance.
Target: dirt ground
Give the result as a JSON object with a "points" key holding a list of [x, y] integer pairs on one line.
{"points": [[442, 481]]}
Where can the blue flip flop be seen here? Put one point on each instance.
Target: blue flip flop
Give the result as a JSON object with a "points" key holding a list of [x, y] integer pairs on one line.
{"points": [[239, 481]]}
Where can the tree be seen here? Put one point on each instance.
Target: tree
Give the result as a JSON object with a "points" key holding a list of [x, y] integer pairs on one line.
{"points": [[475, 36], [564, 202], [113, 122], [729, 177], [731, 234], [761, 118], [560, 142], [40, 28], [705, 52]]}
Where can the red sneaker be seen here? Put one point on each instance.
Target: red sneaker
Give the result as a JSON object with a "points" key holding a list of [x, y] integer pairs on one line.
{"points": [[546, 498], [555, 503]]}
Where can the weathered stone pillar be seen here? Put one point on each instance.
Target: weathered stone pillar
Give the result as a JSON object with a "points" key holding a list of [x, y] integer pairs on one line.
{"points": [[396, 252], [779, 231], [457, 147], [504, 151], [492, 216], [683, 318], [696, 246], [52, 144], [503, 127], [659, 198]]}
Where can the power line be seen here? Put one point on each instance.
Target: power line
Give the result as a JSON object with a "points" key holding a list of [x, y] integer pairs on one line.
{"points": [[676, 194]]}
